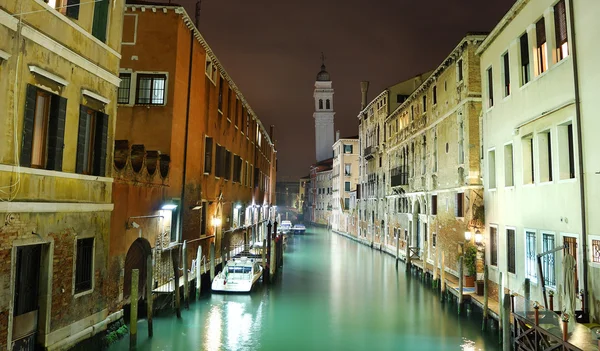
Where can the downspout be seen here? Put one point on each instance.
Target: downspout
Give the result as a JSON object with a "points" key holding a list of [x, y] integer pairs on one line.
{"points": [[185, 145], [580, 159]]}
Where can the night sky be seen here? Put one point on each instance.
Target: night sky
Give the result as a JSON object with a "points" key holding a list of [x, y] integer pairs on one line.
{"points": [[272, 51]]}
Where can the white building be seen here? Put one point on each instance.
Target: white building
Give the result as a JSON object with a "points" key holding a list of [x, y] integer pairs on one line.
{"points": [[321, 192], [531, 147], [344, 180], [323, 115]]}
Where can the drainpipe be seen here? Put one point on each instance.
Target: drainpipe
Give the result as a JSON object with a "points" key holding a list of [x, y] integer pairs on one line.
{"points": [[185, 145], [580, 158]]}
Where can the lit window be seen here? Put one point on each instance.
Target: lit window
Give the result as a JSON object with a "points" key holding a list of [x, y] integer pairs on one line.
{"points": [[151, 89], [560, 27], [542, 58]]}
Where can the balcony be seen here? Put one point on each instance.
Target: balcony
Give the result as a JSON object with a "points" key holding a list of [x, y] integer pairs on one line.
{"points": [[399, 176], [369, 152]]}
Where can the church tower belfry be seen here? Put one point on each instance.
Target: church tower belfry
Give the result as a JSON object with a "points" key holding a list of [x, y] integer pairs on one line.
{"points": [[323, 114]]}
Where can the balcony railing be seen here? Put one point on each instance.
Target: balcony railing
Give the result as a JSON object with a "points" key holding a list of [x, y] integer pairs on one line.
{"points": [[399, 176], [369, 152]]}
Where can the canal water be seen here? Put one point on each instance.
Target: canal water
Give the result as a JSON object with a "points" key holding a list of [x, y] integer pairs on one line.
{"points": [[333, 294]]}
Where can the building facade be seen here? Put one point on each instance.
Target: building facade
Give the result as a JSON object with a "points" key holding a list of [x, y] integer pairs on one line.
{"points": [[372, 166], [344, 179], [434, 189], [176, 102], [320, 192], [58, 79], [531, 147]]}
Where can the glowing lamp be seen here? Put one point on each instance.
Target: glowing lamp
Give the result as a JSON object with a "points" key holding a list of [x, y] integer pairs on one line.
{"points": [[216, 221], [478, 238], [169, 206], [468, 236]]}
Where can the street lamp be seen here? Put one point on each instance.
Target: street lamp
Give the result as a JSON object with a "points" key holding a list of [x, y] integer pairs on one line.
{"points": [[478, 238], [468, 236]]}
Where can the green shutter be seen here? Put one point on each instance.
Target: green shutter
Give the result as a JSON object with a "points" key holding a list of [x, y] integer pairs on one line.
{"points": [[100, 19], [27, 139], [73, 9], [56, 132], [81, 139], [101, 142]]}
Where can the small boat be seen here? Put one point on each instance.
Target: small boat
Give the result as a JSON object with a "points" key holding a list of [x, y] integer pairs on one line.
{"points": [[239, 275]]}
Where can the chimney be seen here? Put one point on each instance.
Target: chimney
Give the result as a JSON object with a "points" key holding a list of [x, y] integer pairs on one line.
{"points": [[337, 135], [364, 88], [272, 132]]}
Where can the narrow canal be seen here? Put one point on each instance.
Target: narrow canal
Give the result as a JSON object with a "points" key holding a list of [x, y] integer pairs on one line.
{"points": [[333, 294]]}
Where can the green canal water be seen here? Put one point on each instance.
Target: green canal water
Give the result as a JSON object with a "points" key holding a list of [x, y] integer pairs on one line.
{"points": [[333, 294]]}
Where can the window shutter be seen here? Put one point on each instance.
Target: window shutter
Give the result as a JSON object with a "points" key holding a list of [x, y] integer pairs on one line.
{"points": [[31, 94], [540, 31], [100, 19], [81, 139], [524, 49], [73, 9], [208, 147], [101, 142], [56, 132], [560, 21]]}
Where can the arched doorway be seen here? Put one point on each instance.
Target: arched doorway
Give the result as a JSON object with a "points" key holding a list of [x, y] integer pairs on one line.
{"points": [[136, 257]]}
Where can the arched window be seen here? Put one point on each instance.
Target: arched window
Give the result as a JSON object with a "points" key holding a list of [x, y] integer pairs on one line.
{"points": [[320, 104], [327, 104]]}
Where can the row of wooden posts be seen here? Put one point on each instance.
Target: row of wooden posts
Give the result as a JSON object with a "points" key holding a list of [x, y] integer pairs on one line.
{"points": [[266, 259]]}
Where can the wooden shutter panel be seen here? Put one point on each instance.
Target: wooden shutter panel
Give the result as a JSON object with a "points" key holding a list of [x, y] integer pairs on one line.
{"points": [[73, 9], [101, 144], [208, 147], [560, 22], [56, 132], [81, 139], [27, 135], [100, 19], [540, 31], [524, 49]]}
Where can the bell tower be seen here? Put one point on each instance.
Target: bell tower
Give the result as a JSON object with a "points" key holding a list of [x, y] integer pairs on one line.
{"points": [[323, 114]]}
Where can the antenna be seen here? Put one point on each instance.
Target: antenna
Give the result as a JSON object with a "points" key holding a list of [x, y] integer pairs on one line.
{"points": [[322, 58]]}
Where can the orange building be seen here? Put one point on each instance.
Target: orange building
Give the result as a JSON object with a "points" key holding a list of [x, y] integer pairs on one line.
{"points": [[185, 137]]}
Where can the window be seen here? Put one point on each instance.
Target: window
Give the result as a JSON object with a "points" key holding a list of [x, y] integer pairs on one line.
{"points": [[412, 112], [433, 240], [327, 104], [459, 210], [348, 169], [492, 169], [434, 95], [424, 103], [548, 259], [92, 138], [219, 161], [59, 5], [347, 149], [208, 150], [435, 147], [174, 222], [490, 87], [84, 268], [203, 218], [530, 255], [560, 27], [227, 173], [347, 203], [545, 156], [494, 246], [220, 99], [509, 179], [151, 89], [424, 155], [237, 168], [542, 58], [510, 252], [320, 104], [434, 205], [566, 151], [43, 130], [461, 140], [528, 169], [525, 67], [99, 25], [346, 186], [124, 88], [459, 66], [506, 75], [229, 105]]}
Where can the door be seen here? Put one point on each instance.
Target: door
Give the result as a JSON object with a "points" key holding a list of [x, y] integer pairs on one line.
{"points": [[26, 298], [570, 244]]}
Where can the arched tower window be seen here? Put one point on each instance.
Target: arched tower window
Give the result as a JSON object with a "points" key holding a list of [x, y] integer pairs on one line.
{"points": [[320, 104], [327, 104]]}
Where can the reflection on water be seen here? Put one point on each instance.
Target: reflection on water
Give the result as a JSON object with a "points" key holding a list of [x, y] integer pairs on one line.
{"points": [[333, 294]]}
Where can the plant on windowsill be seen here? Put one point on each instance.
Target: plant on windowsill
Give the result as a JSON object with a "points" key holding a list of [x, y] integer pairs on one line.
{"points": [[470, 262]]}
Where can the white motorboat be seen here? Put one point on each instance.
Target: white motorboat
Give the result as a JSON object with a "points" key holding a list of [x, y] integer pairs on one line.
{"points": [[239, 275]]}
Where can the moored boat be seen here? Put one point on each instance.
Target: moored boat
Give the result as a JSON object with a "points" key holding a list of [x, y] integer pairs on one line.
{"points": [[239, 275]]}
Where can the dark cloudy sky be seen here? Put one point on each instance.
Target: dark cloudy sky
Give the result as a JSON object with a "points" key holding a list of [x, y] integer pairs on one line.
{"points": [[272, 48]]}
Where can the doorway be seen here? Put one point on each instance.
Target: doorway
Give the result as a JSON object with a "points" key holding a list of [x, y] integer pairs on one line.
{"points": [[26, 297]]}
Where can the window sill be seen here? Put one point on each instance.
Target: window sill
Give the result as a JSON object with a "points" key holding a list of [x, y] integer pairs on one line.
{"points": [[83, 293], [509, 188], [228, 120], [546, 183], [529, 185], [568, 180], [493, 189]]}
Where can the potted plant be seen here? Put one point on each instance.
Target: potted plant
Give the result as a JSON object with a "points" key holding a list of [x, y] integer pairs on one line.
{"points": [[469, 260]]}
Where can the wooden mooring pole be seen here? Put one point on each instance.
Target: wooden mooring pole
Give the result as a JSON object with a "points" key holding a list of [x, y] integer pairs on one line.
{"points": [[506, 343], [460, 283], [397, 249], [135, 280], [175, 259], [212, 261], [527, 294], [485, 298], [198, 271], [501, 303], [149, 301], [186, 288]]}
